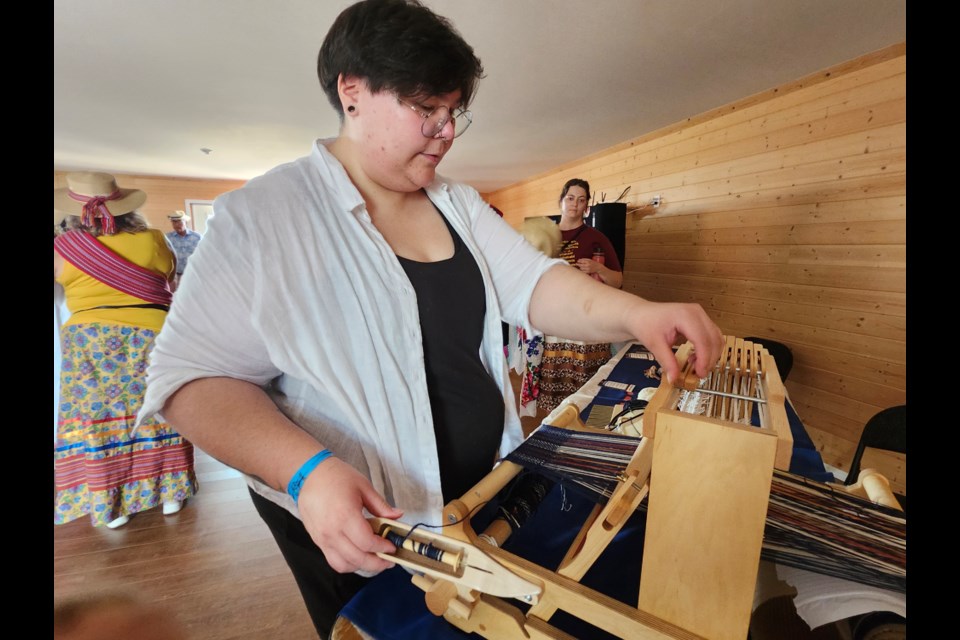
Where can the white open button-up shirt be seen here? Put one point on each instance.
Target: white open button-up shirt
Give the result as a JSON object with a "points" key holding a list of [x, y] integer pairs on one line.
{"points": [[294, 289]]}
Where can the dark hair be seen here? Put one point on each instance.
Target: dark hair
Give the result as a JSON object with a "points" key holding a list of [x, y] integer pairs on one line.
{"points": [[400, 46], [131, 222], [575, 182]]}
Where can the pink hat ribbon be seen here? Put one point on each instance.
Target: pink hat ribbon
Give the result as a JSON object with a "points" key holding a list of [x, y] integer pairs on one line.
{"points": [[96, 207]]}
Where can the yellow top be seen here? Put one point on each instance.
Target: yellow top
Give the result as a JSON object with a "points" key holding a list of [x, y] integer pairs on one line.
{"points": [[147, 249]]}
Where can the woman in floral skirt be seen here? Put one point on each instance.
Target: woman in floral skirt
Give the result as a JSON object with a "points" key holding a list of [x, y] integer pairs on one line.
{"points": [[115, 272]]}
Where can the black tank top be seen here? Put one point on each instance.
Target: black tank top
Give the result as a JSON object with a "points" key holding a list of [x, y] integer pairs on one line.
{"points": [[466, 403]]}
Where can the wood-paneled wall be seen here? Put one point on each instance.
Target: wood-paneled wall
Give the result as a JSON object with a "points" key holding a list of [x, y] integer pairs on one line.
{"points": [[164, 194], [784, 215]]}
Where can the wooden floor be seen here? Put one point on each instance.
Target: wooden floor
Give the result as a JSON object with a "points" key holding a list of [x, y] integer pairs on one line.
{"points": [[213, 565]]}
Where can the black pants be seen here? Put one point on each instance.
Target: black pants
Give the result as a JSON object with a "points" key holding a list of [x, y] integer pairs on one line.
{"points": [[324, 591]]}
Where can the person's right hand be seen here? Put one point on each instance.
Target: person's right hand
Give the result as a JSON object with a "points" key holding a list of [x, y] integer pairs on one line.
{"points": [[661, 325], [331, 507]]}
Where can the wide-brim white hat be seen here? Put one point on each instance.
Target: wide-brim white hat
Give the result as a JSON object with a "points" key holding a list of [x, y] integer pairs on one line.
{"points": [[88, 184]]}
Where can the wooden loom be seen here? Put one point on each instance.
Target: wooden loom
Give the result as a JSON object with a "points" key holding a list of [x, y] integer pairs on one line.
{"points": [[704, 531]]}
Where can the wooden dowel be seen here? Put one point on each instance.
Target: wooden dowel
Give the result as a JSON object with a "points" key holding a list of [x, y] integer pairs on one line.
{"points": [[877, 489], [498, 531], [441, 596]]}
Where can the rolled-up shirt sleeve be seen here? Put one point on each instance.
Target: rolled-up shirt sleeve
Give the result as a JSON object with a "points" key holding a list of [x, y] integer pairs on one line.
{"points": [[211, 328]]}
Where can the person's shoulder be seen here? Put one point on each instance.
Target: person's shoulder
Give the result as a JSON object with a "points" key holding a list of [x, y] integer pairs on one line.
{"points": [[593, 232], [275, 206], [141, 239], [278, 185], [282, 173], [319, 166], [157, 235]]}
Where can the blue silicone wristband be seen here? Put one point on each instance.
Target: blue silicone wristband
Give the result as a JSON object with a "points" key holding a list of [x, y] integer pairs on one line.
{"points": [[296, 482]]}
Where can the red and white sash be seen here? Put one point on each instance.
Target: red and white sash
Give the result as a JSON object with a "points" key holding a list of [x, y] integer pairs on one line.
{"points": [[87, 254]]}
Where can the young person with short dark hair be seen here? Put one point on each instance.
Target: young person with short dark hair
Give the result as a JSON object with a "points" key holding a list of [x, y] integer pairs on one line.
{"points": [[339, 340]]}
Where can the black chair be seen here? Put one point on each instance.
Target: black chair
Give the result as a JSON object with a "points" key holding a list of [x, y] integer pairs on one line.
{"points": [[879, 625], [886, 430], [781, 354]]}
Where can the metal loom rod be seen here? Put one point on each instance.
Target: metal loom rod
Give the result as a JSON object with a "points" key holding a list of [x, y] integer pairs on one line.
{"points": [[732, 395]]}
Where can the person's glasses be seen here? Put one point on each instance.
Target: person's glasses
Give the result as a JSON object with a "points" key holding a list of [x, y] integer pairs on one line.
{"points": [[436, 119]]}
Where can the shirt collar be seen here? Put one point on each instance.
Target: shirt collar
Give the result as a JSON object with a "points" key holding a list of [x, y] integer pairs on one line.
{"points": [[347, 195]]}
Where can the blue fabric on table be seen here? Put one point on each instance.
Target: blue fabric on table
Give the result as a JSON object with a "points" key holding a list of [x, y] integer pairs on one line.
{"points": [[806, 460], [392, 608], [629, 370]]}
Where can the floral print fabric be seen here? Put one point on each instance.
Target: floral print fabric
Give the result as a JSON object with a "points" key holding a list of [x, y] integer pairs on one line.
{"points": [[532, 353], [102, 469]]}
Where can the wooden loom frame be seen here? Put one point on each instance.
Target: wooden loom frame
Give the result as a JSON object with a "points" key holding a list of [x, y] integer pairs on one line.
{"points": [[703, 535]]}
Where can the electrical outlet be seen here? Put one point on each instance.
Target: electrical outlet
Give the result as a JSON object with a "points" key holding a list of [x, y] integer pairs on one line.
{"points": [[656, 200]]}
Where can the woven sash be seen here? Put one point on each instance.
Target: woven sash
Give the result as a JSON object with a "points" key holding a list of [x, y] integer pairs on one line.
{"points": [[88, 255]]}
